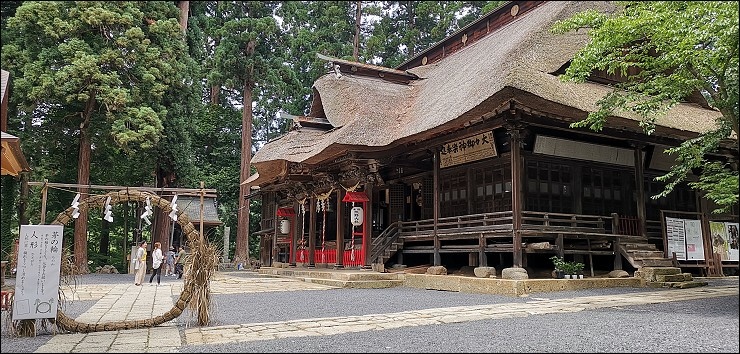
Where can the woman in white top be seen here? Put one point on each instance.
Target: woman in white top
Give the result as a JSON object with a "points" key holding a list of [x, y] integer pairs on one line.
{"points": [[157, 263], [140, 263]]}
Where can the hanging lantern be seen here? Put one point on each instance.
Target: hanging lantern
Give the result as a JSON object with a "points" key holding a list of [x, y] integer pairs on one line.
{"points": [[284, 226], [356, 216]]}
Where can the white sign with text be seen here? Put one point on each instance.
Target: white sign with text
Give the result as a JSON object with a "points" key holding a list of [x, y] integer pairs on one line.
{"points": [[37, 280]]}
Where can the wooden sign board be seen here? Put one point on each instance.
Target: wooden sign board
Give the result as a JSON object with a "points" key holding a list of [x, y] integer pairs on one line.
{"points": [[472, 148]]}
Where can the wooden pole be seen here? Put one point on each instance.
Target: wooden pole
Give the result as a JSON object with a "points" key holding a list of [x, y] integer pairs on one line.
{"points": [[516, 205], [640, 186], [44, 190], [202, 195], [340, 231], [437, 256], [312, 234]]}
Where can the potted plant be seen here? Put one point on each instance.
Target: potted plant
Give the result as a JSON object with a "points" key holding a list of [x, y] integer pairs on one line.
{"points": [[572, 269], [578, 270], [560, 265]]}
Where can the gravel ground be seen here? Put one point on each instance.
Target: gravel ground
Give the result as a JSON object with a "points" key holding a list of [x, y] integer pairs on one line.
{"points": [[707, 325]]}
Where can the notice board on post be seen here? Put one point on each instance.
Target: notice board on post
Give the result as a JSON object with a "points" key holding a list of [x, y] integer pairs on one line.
{"points": [[684, 236], [37, 278]]}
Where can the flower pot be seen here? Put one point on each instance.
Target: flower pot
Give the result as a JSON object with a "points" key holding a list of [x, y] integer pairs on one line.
{"points": [[567, 276], [559, 274]]}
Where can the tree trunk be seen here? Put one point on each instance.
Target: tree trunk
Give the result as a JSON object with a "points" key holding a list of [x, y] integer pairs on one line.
{"points": [[242, 234], [83, 178], [104, 239], [184, 10], [358, 19], [23, 204], [410, 23], [162, 219]]}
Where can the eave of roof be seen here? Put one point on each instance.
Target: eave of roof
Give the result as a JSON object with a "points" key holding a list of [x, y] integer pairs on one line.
{"points": [[13, 162]]}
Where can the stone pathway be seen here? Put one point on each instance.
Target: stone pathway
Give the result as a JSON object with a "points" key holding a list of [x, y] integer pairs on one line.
{"points": [[339, 325], [129, 302]]}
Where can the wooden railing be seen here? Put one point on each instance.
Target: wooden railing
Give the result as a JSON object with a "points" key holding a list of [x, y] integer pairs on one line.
{"points": [[499, 224], [487, 222], [384, 240], [330, 256]]}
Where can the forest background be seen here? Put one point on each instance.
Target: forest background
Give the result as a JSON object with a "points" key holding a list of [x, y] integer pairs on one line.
{"points": [[134, 94]]}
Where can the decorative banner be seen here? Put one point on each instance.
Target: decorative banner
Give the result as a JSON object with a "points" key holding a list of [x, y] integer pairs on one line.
{"points": [[473, 148], [37, 280], [694, 240], [719, 239], [733, 239], [676, 238]]}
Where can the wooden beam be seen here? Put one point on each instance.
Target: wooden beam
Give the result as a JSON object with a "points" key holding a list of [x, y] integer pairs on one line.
{"points": [[179, 191]]}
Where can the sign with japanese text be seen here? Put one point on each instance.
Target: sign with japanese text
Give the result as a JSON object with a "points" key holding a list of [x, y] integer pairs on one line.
{"points": [[37, 279], [472, 148], [676, 237], [694, 240]]}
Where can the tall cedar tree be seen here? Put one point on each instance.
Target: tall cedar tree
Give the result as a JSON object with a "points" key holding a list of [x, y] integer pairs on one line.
{"points": [[89, 62]]}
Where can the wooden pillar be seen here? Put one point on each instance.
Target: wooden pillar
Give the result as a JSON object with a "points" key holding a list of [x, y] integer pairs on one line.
{"points": [[340, 230], [640, 185], [312, 233], [437, 256], [516, 197], [295, 228], [482, 260], [367, 226], [615, 244], [274, 249]]}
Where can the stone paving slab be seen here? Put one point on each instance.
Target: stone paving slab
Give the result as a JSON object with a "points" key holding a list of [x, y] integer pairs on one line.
{"points": [[458, 314]]}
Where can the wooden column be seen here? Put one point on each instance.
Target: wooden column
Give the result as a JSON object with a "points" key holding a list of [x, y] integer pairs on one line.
{"points": [[516, 197], [340, 230], [437, 256], [312, 233], [295, 228], [367, 225], [274, 249], [640, 185]]}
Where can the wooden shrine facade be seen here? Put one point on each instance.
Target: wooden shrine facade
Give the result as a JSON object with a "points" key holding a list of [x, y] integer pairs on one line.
{"points": [[469, 160]]}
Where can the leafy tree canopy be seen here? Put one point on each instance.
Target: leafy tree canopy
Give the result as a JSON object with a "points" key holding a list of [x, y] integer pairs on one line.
{"points": [[678, 48], [77, 57]]}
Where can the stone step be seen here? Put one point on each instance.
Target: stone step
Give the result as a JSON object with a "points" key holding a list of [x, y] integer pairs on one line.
{"points": [[334, 275], [356, 284], [674, 277], [678, 284], [640, 254], [656, 262], [628, 246], [650, 274]]}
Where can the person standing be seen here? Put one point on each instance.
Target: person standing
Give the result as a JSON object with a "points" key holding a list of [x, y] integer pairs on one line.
{"points": [[170, 263], [180, 262], [157, 263], [140, 265]]}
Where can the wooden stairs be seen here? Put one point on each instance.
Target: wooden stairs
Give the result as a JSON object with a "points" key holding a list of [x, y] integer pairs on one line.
{"points": [[391, 251], [640, 253]]}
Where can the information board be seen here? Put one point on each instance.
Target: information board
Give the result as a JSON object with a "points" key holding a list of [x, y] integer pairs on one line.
{"points": [[694, 241], [37, 279], [676, 237]]}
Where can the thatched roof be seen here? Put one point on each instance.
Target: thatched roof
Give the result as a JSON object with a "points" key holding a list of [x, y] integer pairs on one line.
{"points": [[515, 61]]}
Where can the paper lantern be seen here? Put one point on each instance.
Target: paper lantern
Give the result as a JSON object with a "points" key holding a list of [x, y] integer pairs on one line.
{"points": [[284, 226], [356, 216]]}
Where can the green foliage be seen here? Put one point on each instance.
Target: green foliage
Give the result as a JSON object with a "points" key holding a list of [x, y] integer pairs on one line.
{"points": [[558, 262], [678, 48]]}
